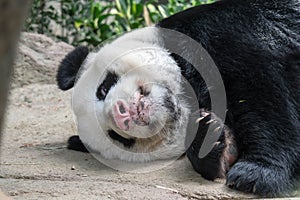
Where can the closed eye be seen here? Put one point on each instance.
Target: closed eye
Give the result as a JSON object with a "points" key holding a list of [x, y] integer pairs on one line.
{"points": [[110, 80]]}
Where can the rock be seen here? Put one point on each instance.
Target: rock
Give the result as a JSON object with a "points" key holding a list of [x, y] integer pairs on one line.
{"points": [[37, 59]]}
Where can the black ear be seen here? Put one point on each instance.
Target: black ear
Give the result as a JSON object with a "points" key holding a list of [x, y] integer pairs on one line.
{"points": [[70, 66]]}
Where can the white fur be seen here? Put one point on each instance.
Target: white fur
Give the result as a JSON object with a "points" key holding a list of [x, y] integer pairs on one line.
{"points": [[136, 57]]}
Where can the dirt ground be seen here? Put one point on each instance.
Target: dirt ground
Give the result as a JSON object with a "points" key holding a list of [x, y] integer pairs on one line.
{"points": [[35, 163]]}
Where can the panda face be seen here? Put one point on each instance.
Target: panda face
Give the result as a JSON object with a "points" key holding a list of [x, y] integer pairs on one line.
{"points": [[135, 107], [135, 104], [127, 100]]}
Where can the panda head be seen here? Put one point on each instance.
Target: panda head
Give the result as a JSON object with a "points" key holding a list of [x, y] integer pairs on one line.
{"points": [[126, 99]]}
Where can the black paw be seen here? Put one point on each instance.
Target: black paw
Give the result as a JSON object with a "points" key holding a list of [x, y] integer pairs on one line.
{"points": [[210, 166], [223, 154], [254, 178], [74, 143]]}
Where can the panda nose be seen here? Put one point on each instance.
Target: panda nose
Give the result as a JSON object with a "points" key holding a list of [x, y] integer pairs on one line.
{"points": [[122, 116]]}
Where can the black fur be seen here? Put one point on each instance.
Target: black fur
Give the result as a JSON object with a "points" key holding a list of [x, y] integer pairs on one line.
{"points": [[74, 143], [256, 46], [210, 165], [69, 67], [126, 142]]}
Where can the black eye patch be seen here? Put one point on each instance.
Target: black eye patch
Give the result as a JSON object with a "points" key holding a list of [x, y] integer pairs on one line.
{"points": [[110, 80]]}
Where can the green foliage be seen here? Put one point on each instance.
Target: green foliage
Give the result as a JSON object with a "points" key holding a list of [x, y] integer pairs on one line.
{"points": [[40, 18], [161, 11], [83, 22], [93, 27], [128, 15]]}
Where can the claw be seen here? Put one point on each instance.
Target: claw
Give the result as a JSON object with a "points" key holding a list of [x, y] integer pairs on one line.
{"points": [[205, 114], [217, 129], [216, 143], [199, 119], [212, 121]]}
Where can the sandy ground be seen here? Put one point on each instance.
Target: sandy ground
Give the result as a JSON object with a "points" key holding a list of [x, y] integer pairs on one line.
{"points": [[35, 163]]}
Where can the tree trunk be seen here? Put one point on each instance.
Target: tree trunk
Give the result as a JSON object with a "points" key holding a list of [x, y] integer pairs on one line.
{"points": [[12, 15]]}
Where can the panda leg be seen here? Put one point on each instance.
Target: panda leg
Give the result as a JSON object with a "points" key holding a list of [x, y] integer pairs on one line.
{"points": [[221, 157], [269, 155], [74, 143]]}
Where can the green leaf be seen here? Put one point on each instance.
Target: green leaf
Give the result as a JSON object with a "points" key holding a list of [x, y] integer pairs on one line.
{"points": [[78, 24], [163, 11], [104, 17], [96, 23]]}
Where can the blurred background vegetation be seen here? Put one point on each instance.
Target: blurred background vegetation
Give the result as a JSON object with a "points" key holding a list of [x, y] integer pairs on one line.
{"points": [[89, 22]]}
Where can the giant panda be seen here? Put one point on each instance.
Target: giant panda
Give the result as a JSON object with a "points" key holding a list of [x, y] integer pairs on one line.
{"points": [[130, 93]]}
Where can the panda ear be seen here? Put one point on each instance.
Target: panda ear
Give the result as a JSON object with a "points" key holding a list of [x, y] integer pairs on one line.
{"points": [[69, 67]]}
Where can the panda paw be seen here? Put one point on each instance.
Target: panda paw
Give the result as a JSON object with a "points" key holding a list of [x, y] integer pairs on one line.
{"points": [[251, 177], [223, 154]]}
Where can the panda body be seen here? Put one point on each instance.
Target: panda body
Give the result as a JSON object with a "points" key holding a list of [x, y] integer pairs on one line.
{"points": [[130, 94]]}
